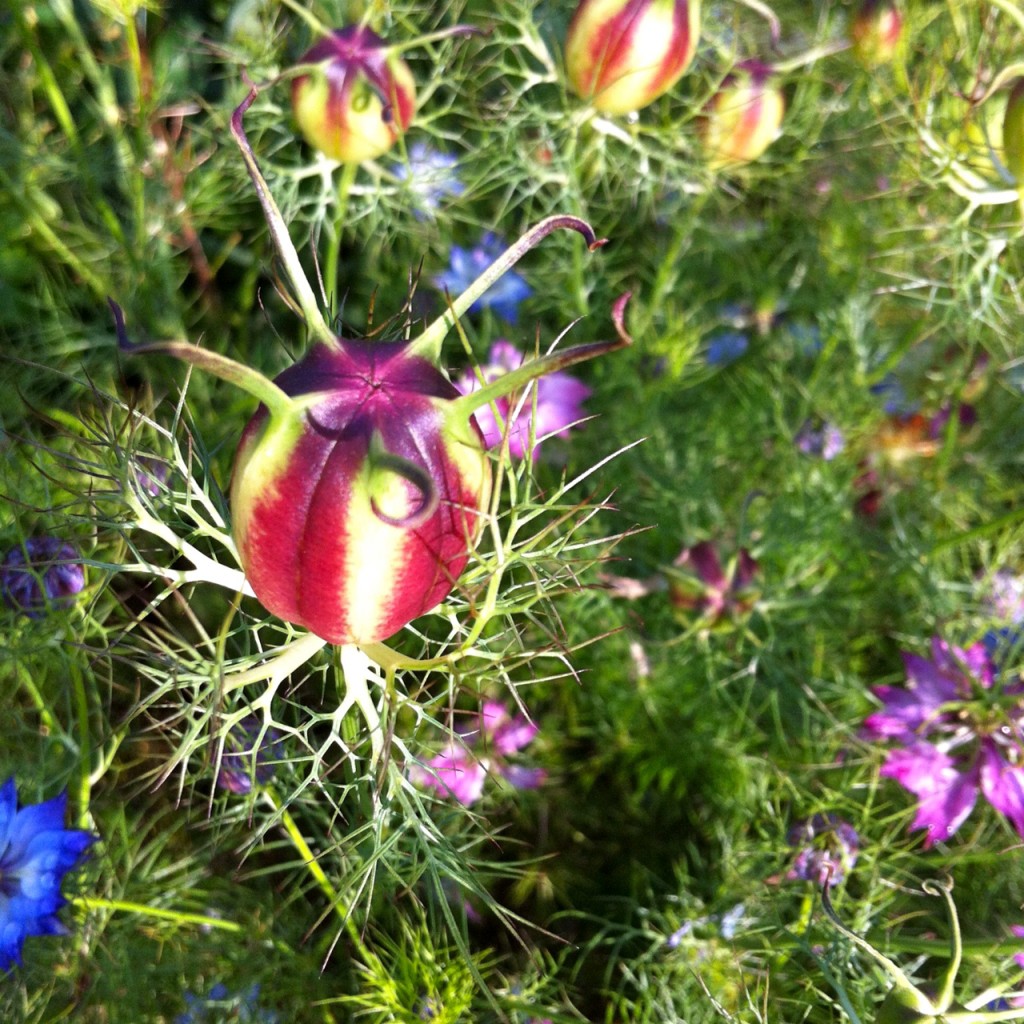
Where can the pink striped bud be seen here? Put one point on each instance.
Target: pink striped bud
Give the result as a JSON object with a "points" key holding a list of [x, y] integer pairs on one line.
{"points": [[621, 55], [358, 100], [1013, 132], [875, 32], [743, 117]]}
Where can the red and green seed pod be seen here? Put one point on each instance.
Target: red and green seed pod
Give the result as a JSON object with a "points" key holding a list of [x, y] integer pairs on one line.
{"points": [[357, 514], [621, 55], [743, 117], [1013, 133], [875, 32], [357, 100]]}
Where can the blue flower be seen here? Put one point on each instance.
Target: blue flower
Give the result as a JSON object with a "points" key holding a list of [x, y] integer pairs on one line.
{"points": [[429, 176], [467, 265], [894, 396], [726, 347], [36, 852], [41, 573], [209, 1009]]}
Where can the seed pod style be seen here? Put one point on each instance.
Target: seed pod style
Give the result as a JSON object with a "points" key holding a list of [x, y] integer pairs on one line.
{"points": [[743, 117], [621, 55], [1013, 133], [359, 98], [875, 32], [362, 481]]}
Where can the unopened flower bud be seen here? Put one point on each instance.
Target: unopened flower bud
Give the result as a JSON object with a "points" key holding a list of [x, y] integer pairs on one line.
{"points": [[358, 100], [743, 117], [621, 55], [875, 32]]}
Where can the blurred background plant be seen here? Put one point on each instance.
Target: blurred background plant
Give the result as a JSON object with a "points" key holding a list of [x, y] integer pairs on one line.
{"points": [[253, 829]]}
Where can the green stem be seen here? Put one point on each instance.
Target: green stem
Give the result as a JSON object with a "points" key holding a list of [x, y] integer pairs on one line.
{"points": [[336, 900], [336, 230], [26, 680], [315, 323], [179, 916], [81, 699], [278, 665]]}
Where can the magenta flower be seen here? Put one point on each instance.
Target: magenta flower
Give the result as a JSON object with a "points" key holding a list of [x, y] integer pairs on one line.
{"points": [[482, 750], [699, 583], [960, 732], [827, 849], [559, 403]]}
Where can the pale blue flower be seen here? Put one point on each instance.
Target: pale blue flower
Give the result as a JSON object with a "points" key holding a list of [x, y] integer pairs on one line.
{"points": [[430, 177]]}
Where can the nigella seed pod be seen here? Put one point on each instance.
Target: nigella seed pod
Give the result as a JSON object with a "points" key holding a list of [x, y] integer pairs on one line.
{"points": [[875, 32], [357, 513], [743, 117], [1013, 133], [621, 55], [357, 100], [361, 483]]}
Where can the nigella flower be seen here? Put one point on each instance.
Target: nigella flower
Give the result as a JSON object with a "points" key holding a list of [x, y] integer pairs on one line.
{"points": [[247, 758], [39, 574], [960, 732], [480, 751], [827, 849], [220, 1005], [468, 264], [559, 403], [698, 583], [429, 176], [36, 852], [821, 440], [726, 347]]}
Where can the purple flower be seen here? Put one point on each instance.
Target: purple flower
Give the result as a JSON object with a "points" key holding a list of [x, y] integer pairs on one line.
{"points": [[430, 177], [460, 770], [247, 758], [699, 583], [726, 347], [467, 265], [959, 732], [559, 403], [821, 440], [220, 1005], [36, 852], [827, 849], [40, 574]]}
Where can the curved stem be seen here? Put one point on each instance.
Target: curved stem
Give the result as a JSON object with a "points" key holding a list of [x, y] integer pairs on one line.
{"points": [[559, 360], [428, 344], [245, 377], [180, 916]]}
